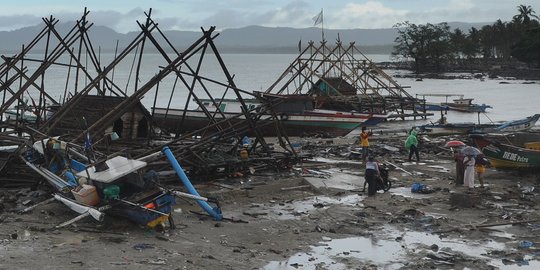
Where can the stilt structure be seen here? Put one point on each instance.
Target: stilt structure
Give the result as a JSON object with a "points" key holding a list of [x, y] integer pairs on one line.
{"points": [[96, 103], [343, 78]]}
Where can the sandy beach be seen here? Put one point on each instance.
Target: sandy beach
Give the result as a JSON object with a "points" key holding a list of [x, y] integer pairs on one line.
{"points": [[314, 216]]}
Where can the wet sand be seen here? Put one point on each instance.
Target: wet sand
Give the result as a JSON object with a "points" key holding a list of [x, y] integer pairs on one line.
{"points": [[312, 217]]}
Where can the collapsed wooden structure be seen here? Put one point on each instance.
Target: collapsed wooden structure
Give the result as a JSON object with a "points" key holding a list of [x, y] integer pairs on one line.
{"points": [[95, 103], [342, 78]]}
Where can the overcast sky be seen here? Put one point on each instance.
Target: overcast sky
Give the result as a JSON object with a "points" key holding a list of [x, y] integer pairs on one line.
{"points": [[192, 14]]}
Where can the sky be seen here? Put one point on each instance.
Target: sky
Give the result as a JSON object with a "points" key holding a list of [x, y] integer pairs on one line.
{"points": [[121, 15]]}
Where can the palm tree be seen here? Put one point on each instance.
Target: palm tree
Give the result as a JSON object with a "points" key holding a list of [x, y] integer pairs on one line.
{"points": [[525, 14]]}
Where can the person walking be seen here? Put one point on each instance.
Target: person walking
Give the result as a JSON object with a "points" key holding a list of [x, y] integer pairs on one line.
{"points": [[411, 144], [371, 175], [468, 176], [364, 142]]}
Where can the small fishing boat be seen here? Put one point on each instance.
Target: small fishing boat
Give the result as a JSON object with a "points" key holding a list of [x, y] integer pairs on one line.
{"points": [[93, 184], [466, 105], [471, 128], [508, 156], [460, 103]]}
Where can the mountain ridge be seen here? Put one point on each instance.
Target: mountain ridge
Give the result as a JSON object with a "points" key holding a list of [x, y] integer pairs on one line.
{"points": [[253, 38]]}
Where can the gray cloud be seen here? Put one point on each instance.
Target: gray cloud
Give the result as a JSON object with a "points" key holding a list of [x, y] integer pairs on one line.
{"points": [[16, 21]]}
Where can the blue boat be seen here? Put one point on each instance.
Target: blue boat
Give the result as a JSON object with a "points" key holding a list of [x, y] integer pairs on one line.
{"points": [[93, 185], [472, 128]]}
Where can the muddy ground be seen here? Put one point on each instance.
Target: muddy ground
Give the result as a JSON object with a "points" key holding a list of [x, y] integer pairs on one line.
{"points": [[312, 217]]}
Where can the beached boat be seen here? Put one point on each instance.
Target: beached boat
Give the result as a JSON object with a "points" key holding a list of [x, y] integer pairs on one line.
{"points": [[296, 113], [92, 184], [471, 128], [508, 156]]}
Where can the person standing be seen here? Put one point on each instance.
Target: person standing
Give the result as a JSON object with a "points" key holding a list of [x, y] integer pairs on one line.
{"points": [[480, 167], [468, 176], [364, 142], [371, 175], [460, 169], [411, 144]]}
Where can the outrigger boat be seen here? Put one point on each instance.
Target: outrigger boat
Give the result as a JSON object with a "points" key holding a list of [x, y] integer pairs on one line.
{"points": [[471, 128], [92, 184]]}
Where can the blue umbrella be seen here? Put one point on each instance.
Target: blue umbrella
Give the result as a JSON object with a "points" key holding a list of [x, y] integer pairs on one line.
{"points": [[470, 151]]}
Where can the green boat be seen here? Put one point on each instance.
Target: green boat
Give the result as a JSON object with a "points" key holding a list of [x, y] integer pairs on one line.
{"points": [[508, 156]]}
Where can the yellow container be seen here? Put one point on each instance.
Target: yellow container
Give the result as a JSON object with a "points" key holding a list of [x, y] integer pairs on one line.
{"points": [[533, 145], [87, 194]]}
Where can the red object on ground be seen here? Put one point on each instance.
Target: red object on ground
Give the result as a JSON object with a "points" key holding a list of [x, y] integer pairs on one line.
{"points": [[454, 143]]}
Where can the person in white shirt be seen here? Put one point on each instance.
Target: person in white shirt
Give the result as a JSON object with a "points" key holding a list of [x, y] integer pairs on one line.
{"points": [[371, 175]]}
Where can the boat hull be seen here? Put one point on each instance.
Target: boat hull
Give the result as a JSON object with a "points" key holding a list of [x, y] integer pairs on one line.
{"points": [[505, 156], [294, 124]]}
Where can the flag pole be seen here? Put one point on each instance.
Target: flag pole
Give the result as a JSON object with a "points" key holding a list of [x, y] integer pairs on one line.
{"points": [[322, 24]]}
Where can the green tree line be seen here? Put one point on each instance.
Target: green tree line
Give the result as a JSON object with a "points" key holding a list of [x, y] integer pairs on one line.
{"points": [[434, 46]]}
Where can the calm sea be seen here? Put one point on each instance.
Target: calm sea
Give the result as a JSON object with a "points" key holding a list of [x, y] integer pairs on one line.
{"points": [[511, 99]]}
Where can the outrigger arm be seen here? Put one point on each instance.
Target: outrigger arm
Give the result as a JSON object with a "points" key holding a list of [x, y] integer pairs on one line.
{"points": [[83, 210]]}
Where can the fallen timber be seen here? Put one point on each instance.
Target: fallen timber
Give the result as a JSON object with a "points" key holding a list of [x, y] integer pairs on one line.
{"points": [[108, 109]]}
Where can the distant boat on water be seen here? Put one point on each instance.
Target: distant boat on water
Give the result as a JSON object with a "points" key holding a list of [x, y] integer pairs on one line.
{"points": [[460, 104], [466, 105]]}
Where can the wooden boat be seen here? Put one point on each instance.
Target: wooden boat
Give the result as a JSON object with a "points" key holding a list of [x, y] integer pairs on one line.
{"points": [[296, 113], [461, 104], [92, 185], [466, 105], [508, 156], [471, 128]]}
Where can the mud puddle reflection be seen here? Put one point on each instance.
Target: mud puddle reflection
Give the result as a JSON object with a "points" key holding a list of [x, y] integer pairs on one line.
{"points": [[392, 249]]}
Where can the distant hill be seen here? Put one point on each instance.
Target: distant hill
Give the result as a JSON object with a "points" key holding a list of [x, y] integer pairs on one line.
{"points": [[252, 39]]}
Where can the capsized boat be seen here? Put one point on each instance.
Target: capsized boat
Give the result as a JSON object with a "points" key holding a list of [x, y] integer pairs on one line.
{"points": [[92, 184]]}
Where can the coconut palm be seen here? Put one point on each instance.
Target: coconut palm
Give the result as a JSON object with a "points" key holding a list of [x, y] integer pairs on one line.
{"points": [[525, 14]]}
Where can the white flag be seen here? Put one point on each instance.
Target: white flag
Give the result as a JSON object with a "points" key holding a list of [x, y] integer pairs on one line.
{"points": [[318, 18]]}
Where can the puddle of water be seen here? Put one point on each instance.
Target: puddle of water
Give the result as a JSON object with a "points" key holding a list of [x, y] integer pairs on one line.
{"points": [[296, 209], [406, 192], [439, 168], [333, 161], [338, 180], [387, 252]]}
